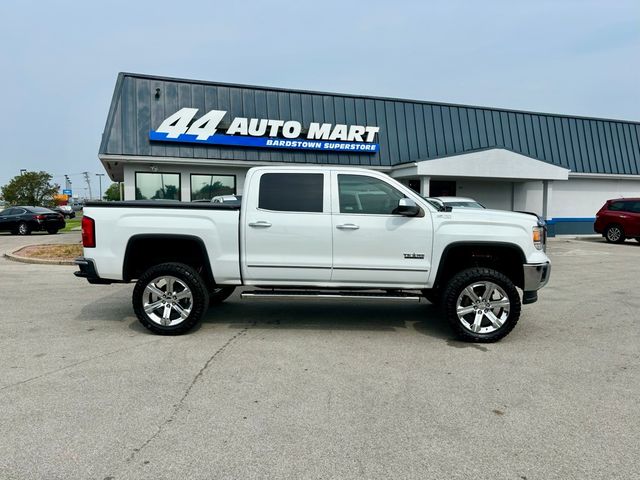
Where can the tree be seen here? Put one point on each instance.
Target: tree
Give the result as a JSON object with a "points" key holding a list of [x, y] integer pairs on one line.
{"points": [[112, 193], [169, 192], [30, 188], [209, 191]]}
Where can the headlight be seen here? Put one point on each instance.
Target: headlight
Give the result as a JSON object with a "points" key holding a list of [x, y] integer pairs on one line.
{"points": [[539, 237]]}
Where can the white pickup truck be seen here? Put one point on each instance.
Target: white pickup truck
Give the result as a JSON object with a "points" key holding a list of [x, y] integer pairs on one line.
{"points": [[317, 232]]}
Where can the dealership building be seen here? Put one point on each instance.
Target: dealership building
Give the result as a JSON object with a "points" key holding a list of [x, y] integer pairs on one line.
{"points": [[189, 140]]}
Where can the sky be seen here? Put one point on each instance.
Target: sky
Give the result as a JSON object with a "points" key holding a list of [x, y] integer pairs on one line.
{"points": [[59, 59]]}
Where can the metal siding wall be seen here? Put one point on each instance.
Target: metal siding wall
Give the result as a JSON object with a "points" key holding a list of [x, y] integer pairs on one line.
{"points": [[392, 133], [403, 143], [418, 115], [506, 130], [488, 123], [184, 100], [456, 132], [482, 131], [449, 145], [261, 112], [597, 148], [211, 103], [295, 107], [430, 131], [114, 140], [531, 144], [143, 101], [129, 118], [550, 142], [237, 110], [361, 119], [634, 147], [157, 116], [537, 137], [629, 148], [497, 128], [473, 128], [169, 96], [623, 148], [590, 148], [409, 131], [198, 101]]}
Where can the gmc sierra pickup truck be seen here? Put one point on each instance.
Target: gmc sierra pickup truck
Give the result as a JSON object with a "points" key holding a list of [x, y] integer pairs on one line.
{"points": [[317, 232]]}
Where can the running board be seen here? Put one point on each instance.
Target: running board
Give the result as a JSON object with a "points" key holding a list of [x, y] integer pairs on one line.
{"points": [[326, 295]]}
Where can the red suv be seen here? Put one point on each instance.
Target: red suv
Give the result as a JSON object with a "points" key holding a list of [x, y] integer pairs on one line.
{"points": [[619, 219]]}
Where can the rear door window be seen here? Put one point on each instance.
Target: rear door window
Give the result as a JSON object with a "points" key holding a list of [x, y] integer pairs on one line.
{"points": [[616, 206], [292, 192]]}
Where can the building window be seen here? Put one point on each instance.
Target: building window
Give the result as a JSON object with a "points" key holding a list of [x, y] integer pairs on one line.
{"points": [[155, 186], [442, 188], [205, 187], [291, 192]]}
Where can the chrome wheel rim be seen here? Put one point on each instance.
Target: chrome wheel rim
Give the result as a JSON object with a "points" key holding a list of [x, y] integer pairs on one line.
{"points": [[483, 307], [614, 234], [167, 301], [22, 229]]}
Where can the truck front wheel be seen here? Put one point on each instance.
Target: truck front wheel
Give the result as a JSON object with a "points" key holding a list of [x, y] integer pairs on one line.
{"points": [[481, 305], [170, 298]]}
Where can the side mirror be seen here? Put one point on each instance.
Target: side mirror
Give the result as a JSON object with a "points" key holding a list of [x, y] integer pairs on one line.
{"points": [[407, 208]]}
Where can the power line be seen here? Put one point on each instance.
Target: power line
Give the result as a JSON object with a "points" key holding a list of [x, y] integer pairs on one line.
{"points": [[88, 180]]}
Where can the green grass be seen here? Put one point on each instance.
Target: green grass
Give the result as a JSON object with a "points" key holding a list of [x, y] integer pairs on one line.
{"points": [[71, 223]]}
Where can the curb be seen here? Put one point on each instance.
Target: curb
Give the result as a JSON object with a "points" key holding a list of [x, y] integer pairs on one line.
{"points": [[38, 261]]}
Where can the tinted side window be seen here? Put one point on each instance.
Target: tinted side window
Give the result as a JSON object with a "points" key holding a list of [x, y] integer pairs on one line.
{"points": [[368, 195], [616, 206], [635, 207], [291, 192], [18, 211]]}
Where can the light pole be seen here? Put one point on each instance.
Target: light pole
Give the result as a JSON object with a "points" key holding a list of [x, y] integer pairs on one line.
{"points": [[100, 175]]}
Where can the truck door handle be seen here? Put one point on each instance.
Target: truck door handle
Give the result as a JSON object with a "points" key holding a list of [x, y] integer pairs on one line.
{"points": [[348, 226], [260, 224]]}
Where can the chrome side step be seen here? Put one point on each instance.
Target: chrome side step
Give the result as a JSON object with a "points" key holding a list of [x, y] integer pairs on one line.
{"points": [[326, 295]]}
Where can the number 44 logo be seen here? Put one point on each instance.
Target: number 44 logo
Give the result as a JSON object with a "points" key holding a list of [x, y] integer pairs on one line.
{"points": [[203, 128]]}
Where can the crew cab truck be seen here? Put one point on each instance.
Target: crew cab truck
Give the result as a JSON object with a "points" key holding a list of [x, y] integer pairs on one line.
{"points": [[317, 232]]}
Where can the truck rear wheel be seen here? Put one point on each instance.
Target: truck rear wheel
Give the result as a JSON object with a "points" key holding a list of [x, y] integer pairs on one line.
{"points": [[170, 298], [481, 305]]}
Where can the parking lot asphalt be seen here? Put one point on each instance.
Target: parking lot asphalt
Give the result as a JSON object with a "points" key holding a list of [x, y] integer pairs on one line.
{"points": [[321, 390]]}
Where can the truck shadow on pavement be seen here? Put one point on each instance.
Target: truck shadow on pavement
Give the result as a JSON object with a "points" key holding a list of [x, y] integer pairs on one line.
{"points": [[323, 315], [234, 313]]}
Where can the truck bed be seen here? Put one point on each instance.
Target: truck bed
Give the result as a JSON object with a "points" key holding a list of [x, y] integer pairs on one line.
{"points": [[120, 224], [163, 204]]}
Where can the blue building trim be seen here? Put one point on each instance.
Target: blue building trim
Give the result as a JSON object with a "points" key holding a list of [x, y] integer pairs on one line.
{"points": [[570, 226]]}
